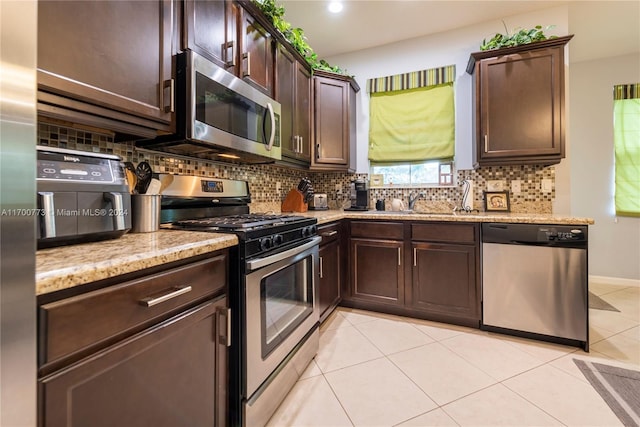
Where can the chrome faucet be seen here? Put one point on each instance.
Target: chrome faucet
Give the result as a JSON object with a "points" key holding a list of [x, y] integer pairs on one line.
{"points": [[413, 199]]}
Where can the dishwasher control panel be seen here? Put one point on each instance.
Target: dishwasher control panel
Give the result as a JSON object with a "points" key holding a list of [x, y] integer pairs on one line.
{"points": [[564, 233]]}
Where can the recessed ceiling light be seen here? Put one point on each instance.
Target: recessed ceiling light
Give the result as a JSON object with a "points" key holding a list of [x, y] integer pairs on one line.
{"points": [[335, 7]]}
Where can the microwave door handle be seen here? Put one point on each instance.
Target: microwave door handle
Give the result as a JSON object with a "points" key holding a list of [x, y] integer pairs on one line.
{"points": [[118, 209], [272, 137], [48, 214]]}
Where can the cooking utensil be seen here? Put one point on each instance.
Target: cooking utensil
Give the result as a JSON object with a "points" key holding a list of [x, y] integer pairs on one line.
{"points": [[154, 187], [132, 178], [144, 173]]}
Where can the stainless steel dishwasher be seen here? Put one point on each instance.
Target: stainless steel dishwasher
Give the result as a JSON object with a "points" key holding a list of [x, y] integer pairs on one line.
{"points": [[534, 281]]}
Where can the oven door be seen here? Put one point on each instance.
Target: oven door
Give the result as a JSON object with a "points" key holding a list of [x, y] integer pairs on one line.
{"points": [[281, 308]]}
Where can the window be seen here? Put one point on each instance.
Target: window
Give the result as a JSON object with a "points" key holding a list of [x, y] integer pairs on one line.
{"points": [[626, 139], [412, 127], [431, 173]]}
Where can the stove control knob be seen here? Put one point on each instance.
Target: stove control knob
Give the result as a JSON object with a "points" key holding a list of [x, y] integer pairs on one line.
{"points": [[309, 231], [266, 243], [278, 240]]}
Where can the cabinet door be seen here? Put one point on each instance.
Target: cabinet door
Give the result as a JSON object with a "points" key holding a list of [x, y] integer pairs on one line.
{"points": [[377, 272], [444, 280], [170, 375], [303, 110], [331, 114], [329, 282], [521, 107], [256, 54], [210, 30], [286, 96], [111, 54]]}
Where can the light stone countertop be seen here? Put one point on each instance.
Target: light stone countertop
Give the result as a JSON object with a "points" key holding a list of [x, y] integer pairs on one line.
{"points": [[68, 266], [508, 217]]}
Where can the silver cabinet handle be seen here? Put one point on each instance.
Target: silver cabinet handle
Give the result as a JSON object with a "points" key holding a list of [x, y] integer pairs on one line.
{"points": [[486, 143], [229, 62], [175, 291], [228, 327], [272, 137], [246, 57], [321, 267], [415, 257], [118, 209], [49, 219], [169, 85], [329, 233], [317, 151], [399, 256]]}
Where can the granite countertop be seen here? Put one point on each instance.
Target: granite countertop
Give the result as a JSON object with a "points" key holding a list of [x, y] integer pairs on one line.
{"points": [[68, 266], [522, 218]]}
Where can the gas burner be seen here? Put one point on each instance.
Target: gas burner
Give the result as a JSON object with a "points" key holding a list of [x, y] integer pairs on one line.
{"points": [[241, 221]]}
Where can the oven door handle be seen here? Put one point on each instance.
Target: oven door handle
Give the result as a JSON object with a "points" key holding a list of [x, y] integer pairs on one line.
{"points": [[261, 262]]}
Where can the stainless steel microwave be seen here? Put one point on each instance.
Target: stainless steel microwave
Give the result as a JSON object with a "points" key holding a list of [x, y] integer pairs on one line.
{"points": [[220, 116]]}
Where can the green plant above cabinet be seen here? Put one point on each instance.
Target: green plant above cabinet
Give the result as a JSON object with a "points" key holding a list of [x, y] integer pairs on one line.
{"points": [[519, 100]]}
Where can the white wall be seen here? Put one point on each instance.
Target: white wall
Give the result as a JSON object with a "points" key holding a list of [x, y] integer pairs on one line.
{"points": [[614, 242], [452, 47]]}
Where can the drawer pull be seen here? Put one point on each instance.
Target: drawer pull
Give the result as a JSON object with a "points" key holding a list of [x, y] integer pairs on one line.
{"points": [[329, 233], [175, 291]]}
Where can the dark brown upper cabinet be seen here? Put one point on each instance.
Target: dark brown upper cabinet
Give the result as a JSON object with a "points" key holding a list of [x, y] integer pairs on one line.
{"points": [[519, 99], [107, 64], [293, 92], [235, 36], [334, 122]]}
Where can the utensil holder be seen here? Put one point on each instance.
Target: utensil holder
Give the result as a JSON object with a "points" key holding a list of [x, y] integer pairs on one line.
{"points": [[145, 209], [294, 202]]}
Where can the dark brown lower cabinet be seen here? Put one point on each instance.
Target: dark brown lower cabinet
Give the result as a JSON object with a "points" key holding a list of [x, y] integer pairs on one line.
{"points": [[444, 279], [418, 269], [331, 269], [173, 374]]}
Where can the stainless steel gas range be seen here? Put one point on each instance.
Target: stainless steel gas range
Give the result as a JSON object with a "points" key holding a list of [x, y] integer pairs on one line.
{"points": [[272, 296]]}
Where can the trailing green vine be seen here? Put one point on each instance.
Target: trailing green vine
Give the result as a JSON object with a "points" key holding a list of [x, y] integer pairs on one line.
{"points": [[295, 36], [518, 38]]}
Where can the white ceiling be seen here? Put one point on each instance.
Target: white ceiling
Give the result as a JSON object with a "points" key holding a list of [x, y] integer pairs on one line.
{"points": [[605, 28]]}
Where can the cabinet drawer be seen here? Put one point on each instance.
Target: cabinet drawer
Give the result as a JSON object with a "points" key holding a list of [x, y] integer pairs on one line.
{"points": [[377, 230], [93, 320], [455, 233], [329, 232]]}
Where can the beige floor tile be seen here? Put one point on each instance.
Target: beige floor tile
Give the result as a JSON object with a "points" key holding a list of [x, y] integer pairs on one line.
{"points": [[621, 348], [604, 288], [356, 317], [344, 347], [493, 355], [334, 321], [597, 334], [567, 364], [497, 406], [628, 304], [391, 336], [441, 373], [311, 402], [440, 331], [377, 393], [541, 350], [435, 418], [610, 320], [633, 333], [312, 370], [563, 396]]}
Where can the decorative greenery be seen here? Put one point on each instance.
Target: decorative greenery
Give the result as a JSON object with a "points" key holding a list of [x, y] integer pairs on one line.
{"points": [[518, 38], [295, 36]]}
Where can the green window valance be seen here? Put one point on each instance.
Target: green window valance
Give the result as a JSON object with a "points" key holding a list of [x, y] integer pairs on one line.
{"points": [[626, 139], [412, 80], [412, 117]]}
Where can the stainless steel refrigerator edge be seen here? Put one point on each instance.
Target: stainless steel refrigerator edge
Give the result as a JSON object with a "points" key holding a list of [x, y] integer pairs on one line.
{"points": [[18, 58]]}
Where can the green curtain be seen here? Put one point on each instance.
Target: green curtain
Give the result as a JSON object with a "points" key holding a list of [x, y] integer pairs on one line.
{"points": [[627, 151], [412, 125]]}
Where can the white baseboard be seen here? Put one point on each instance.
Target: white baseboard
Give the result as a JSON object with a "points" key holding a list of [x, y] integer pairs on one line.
{"points": [[620, 281]]}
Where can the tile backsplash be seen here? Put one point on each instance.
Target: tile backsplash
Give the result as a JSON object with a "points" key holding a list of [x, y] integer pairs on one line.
{"points": [[264, 180]]}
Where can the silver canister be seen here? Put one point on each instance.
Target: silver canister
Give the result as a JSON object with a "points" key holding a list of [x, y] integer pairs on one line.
{"points": [[145, 216]]}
